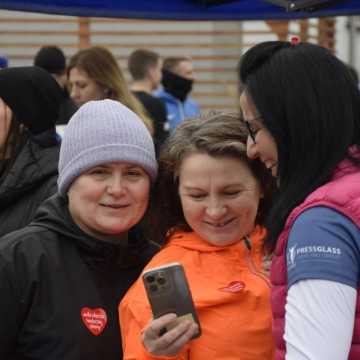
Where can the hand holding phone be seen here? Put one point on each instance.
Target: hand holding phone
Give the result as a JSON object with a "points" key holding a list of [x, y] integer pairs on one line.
{"points": [[171, 342], [168, 292]]}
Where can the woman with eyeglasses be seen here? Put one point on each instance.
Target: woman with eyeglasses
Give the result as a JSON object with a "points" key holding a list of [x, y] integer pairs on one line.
{"points": [[301, 107]]}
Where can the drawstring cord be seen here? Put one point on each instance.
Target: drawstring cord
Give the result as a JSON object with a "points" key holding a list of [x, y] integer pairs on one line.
{"points": [[252, 267]]}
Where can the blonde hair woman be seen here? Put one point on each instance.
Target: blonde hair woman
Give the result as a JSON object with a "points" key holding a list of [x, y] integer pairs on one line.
{"points": [[94, 74]]}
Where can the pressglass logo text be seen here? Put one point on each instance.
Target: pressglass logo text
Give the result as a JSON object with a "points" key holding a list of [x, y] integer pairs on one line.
{"points": [[318, 249], [295, 254]]}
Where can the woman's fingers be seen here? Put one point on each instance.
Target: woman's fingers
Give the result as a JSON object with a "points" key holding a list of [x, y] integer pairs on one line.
{"points": [[174, 340], [154, 330], [156, 327], [171, 342]]}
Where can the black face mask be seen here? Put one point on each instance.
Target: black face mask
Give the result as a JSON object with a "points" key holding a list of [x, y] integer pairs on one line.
{"points": [[176, 85]]}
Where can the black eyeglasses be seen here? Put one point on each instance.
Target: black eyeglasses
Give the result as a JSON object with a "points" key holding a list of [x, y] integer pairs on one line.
{"points": [[251, 132]]}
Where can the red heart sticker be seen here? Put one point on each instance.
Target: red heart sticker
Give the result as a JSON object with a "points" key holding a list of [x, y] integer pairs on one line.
{"points": [[94, 319], [233, 287]]}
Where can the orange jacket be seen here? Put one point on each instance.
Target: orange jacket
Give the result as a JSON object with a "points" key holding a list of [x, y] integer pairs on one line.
{"points": [[230, 293]]}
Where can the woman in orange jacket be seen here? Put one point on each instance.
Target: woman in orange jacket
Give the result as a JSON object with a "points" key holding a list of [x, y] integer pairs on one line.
{"points": [[213, 199]]}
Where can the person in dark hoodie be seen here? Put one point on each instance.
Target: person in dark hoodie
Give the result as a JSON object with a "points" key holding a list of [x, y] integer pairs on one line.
{"points": [[62, 277], [29, 148]]}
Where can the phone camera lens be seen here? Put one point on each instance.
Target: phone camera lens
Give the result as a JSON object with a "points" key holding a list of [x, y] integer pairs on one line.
{"points": [[153, 288], [161, 280], [150, 279]]}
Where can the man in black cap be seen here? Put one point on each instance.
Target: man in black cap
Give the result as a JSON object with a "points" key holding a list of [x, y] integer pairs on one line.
{"points": [[52, 59]]}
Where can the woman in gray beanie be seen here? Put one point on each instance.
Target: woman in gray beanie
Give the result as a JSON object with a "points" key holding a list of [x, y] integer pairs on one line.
{"points": [[62, 277], [29, 148]]}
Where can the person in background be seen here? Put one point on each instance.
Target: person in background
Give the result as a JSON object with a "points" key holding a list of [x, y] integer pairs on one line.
{"points": [[62, 277], [145, 69], [209, 206], [29, 147], [177, 81], [301, 106], [94, 74], [52, 59]]}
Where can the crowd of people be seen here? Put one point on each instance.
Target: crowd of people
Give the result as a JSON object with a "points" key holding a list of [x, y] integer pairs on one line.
{"points": [[260, 207]]}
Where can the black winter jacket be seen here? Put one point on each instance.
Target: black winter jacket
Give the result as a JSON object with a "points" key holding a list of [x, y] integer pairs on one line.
{"points": [[30, 181], [60, 288]]}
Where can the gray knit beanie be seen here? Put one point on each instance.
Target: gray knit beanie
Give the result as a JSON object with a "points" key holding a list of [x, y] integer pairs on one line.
{"points": [[100, 132]]}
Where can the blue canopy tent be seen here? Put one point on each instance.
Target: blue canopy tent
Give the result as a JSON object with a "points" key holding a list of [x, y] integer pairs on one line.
{"points": [[179, 9]]}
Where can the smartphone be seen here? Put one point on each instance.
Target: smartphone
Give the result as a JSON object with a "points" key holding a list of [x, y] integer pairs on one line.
{"points": [[168, 292]]}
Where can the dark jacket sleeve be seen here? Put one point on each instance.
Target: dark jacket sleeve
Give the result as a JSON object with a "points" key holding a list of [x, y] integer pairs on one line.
{"points": [[9, 311], [49, 189]]}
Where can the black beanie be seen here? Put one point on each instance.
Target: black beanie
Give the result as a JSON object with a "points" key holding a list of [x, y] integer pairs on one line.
{"points": [[51, 59], [33, 95]]}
